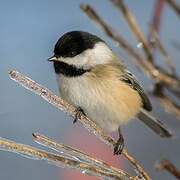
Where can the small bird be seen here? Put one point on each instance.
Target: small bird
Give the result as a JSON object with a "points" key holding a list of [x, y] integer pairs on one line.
{"points": [[93, 79]]}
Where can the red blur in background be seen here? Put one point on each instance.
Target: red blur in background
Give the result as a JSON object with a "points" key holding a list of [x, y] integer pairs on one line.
{"points": [[81, 139]]}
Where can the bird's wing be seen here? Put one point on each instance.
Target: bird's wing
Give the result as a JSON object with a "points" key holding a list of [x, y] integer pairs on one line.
{"points": [[143, 115], [131, 80]]}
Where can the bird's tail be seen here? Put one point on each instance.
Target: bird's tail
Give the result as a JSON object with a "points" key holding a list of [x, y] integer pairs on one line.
{"points": [[156, 125]]}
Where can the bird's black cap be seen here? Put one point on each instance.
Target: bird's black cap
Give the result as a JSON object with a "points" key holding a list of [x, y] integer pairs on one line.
{"points": [[74, 43]]}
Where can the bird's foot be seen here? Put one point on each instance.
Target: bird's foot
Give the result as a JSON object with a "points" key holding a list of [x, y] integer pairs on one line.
{"points": [[119, 146], [78, 113]]}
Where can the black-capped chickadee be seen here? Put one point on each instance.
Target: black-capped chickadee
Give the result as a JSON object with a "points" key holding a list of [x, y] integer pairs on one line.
{"points": [[93, 79]]}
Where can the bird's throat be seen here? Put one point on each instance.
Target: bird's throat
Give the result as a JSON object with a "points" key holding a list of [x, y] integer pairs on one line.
{"points": [[68, 70]]}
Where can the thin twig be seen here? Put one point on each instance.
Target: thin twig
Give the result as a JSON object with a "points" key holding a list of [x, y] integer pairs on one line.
{"points": [[71, 110], [131, 20], [175, 6], [168, 166], [155, 42], [155, 24], [154, 31], [156, 17], [61, 160], [167, 57]]}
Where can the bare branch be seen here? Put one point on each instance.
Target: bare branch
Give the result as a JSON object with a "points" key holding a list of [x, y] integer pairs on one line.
{"points": [[69, 109], [175, 6], [155, 42], [168, 166], [62, 160], [154, 38], [76, 154], [155, 23], [131, 20]]}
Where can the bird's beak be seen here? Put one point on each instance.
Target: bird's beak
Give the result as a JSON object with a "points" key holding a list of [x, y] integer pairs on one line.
{"points": [[52, 59]]}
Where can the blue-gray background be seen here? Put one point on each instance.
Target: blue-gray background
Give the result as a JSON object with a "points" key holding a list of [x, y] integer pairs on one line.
{"points": [[28, 31]]}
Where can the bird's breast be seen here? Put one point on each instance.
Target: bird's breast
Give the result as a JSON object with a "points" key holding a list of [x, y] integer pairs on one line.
{"points": [[108, 102]]}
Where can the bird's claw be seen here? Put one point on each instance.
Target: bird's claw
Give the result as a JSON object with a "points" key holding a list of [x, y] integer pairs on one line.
{"points": [[119, 146], [78, 113]]}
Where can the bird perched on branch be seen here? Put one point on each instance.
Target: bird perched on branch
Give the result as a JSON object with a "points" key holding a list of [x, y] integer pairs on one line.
{"points": [[93, 79]]}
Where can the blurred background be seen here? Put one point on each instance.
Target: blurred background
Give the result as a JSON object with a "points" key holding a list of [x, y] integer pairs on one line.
{"points": [[28, 32]]}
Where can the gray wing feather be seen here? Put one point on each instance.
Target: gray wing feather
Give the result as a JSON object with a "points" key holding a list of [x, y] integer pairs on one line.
{"points": [[156, 125], [143, 115]]}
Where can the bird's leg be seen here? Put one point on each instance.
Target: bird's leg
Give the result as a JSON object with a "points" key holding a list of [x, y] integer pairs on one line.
{"points": [[119, 145], [79, 111]]}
